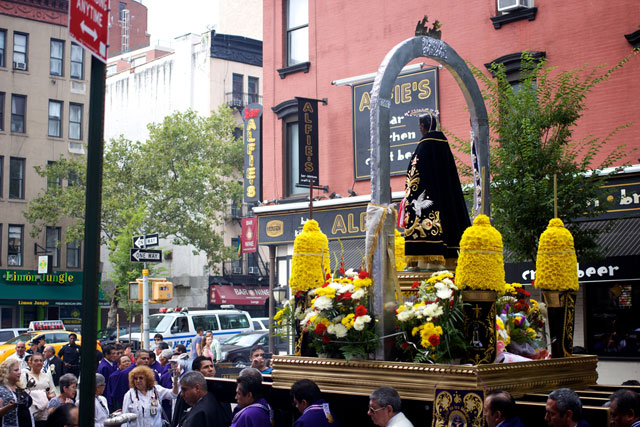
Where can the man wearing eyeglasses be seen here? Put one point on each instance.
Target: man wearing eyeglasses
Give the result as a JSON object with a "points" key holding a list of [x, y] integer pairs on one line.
{"points": [[384, 408]]}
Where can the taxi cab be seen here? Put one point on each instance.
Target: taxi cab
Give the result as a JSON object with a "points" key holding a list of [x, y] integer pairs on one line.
{"points": [[53, 332]]}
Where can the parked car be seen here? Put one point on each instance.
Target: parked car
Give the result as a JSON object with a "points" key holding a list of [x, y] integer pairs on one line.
{"points": [[55, 338], [260, 323], [108, 336], [7, 334], [237, 349]]}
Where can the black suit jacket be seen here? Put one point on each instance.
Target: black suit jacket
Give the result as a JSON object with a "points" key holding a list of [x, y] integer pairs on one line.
{"points": [[208, 412], [57, 371]]}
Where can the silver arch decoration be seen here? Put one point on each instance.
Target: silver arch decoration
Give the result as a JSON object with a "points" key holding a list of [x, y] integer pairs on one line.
{"points": [[394, 61]]}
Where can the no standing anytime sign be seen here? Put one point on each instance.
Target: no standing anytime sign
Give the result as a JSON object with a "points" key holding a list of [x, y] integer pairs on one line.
{"points": [[88, 25]]}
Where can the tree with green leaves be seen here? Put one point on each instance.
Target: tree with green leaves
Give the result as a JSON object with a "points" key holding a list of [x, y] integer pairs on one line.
{"points": [[179, 183], [532, 125]]}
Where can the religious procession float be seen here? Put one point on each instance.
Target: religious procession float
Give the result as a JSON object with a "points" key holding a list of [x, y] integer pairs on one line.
{"points": [[428, 311]]}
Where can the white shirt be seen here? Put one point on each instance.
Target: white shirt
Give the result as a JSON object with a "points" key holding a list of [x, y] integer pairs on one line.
{"points": [[399, 420], [23, 363], [143, 405]]}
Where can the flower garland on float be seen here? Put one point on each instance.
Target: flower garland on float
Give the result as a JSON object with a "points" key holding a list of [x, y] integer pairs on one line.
{"points": [[433, 321]]}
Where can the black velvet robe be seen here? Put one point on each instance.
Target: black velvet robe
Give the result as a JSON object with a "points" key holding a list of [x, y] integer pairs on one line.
{"points": [[435, 213]]}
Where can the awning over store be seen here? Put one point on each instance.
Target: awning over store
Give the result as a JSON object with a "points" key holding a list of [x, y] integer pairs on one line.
{"points": [[238, 294]]}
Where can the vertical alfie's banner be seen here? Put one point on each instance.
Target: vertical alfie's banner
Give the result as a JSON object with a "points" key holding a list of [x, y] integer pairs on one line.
{"points": [[249, 235], [252, 116], [308, 140]]}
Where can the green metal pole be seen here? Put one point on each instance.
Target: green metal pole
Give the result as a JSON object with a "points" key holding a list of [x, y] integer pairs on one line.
{"points": [[88, 362]]}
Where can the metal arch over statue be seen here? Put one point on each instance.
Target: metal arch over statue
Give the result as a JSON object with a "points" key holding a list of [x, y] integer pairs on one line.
{"points": [[394, 61]]}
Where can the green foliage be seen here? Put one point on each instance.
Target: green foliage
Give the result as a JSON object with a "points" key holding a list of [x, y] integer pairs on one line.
{"points": [[177, 183], [532, 140]]}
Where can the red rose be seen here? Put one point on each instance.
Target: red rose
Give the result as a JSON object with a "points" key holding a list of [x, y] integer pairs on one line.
{"points": [[328, 276], [300, 294], [361, 310], [404, 345], [415, 285], [434, 340], [363, 274], [326, 339], [320, 328], [346, 296], [341, 270]]}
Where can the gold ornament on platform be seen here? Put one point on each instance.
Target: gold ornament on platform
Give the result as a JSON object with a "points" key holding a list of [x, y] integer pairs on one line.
{"points": [[481, 264], [311, 262]]}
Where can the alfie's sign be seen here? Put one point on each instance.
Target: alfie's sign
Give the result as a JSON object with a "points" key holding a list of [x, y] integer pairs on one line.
{"points": [[252, 116], [414, 90]]}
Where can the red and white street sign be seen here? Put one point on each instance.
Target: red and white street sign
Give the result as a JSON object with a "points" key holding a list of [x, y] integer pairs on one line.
{"points": [[88, 25]]}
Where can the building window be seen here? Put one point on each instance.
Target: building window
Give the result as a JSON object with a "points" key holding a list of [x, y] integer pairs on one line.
{"points": [[18, 111], [236, 262], [15, 246], [77, 61], [0, 242], [252, 263], [73, 255], [613, 310], [20, 46], [2, 111], [297, 31], [237, 86], [53, 183], [75, 121], [1, 178], [16, 178], [51, 244], [123, 7], [252, 90], [292, 164], [57, 57], [55, 118], [72, 179], [3, 48]]}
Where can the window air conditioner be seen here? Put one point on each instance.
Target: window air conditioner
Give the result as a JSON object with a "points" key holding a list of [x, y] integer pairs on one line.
{"points": [[237, 270], [509, 5], [20, 65], [254, 270], [13, 260]]}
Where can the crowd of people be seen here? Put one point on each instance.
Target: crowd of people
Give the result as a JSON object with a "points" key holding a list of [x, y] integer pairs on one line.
{"points": [[168, 387]]}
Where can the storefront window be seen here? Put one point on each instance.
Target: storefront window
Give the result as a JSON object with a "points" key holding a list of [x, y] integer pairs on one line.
{"points": [[613, 321]]}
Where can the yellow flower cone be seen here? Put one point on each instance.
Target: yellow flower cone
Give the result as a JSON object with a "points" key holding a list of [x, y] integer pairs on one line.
{"points": [[399, 242], [310, 256], [556, 265], [481, 264]]}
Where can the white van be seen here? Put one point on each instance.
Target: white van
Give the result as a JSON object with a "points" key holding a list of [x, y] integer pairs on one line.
{"points": [[180, 327]]}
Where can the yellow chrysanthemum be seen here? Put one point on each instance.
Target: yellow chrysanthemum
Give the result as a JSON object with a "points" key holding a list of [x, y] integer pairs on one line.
{"points": [[399, 246], [481, 264], [310, 256], [556, 265], [327, 291], [348, 321]]}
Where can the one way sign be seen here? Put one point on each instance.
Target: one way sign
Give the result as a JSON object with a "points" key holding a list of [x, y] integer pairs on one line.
{"points": [[146, 241], [145, 255]]}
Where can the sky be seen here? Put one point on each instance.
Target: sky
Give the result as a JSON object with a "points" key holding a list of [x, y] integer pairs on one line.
{"points": [[165, 21]]}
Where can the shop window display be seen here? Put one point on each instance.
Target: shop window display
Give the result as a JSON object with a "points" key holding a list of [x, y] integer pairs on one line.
{"points": [[613, 320]]}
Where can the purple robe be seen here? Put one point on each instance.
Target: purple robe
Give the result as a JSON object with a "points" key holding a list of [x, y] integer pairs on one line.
{"points": [[117, 386], [258, 414], [106, 369], [316, 415]]}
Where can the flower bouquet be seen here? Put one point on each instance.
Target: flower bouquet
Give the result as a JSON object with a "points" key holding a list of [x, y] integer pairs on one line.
{"points": [[433, 323], [337, 319], [520, 323]]}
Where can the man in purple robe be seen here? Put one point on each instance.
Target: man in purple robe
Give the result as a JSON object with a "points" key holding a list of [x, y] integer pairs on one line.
{"points": [[252, 410], [308, 400], [108, 363]]}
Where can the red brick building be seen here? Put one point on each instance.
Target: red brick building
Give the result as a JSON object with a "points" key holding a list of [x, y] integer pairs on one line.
{"points": [[309, 44], [127, 26]]}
